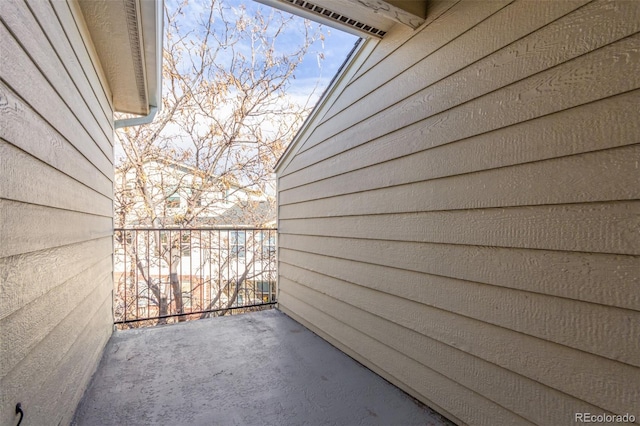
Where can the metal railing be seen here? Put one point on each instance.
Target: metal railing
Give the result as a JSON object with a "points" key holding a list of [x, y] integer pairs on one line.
{"points": [[171, 274]]}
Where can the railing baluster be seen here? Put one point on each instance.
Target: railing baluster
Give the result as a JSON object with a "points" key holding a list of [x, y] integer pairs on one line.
{"points": [[202, 287], [149, 279], [124, 275], [160, 250], [244, 256], [179, 276], [219, 269]]}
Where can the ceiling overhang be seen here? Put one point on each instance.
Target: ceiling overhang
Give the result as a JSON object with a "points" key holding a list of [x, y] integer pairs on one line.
{"points": [[127, 36], [366, 18]]}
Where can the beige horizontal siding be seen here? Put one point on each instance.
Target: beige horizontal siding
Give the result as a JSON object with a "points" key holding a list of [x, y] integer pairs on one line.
{"points": [[56, 208], [66, 78], [21, 74], [403, 59], [465, 57], [400, 35], [591, 277], [493, 382], [467, 211], [28, 132], [55, 266], [608, 71], [445, 29], [611, 175], [43, 313], [593, 227], [79, 362], [576, 130], [596, 380], [593, 328], [399, 365], [64, 33], [31, 381], [30, 180], [44, 227]]}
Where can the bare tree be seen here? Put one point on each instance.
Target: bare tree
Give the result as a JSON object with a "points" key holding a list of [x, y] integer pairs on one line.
{"points": [[207, 159]]}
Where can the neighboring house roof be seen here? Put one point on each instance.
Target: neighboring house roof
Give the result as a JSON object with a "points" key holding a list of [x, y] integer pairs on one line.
{"points": [[127, 37], [236, 216], [189, 170], [366, 18]]}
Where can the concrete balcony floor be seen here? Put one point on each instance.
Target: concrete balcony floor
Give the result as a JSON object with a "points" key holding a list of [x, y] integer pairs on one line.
{"points": [[261, 368]]}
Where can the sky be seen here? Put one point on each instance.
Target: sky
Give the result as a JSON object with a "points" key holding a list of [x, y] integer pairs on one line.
{"points": [[313, 73], [335, 48], [312, 76]]}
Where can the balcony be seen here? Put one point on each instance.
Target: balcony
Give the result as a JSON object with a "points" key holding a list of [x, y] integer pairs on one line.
{"points": [[260, 368], [257, 368]]}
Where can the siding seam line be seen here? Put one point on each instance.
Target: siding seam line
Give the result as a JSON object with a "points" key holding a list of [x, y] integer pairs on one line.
{"points": [[56, 208], [457, 244], [2, 258]]}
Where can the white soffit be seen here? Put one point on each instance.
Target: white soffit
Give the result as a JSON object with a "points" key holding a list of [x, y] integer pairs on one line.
{"points": [[152, 12], [406, 12], [366, 18], [127, 36]]}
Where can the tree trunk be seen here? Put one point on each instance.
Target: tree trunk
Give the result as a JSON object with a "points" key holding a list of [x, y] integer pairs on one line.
{"points": [[176, 288]]}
